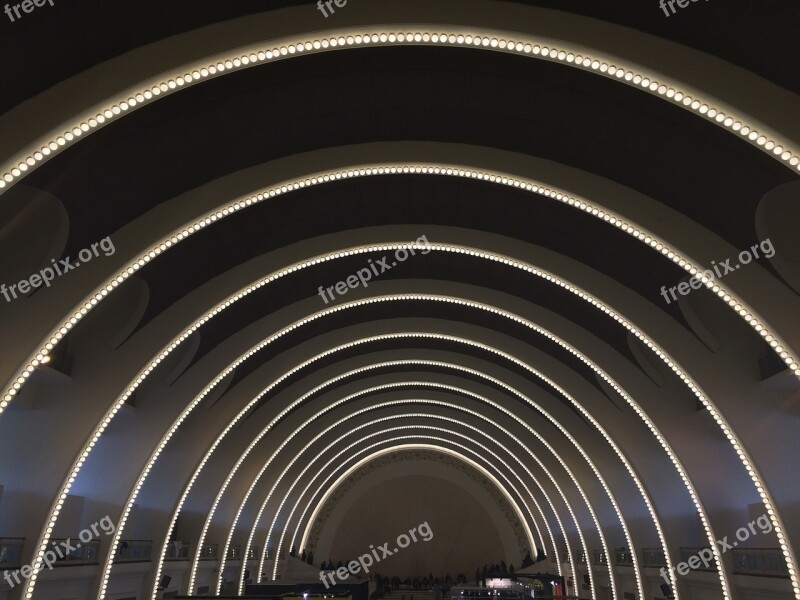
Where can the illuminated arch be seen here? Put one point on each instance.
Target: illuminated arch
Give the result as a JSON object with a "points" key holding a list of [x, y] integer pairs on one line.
{"points": [[695, 498], [555, 50], [599, 211], [188, 487], [531, 430], [696, 390], [552, 54], [422, 415]]}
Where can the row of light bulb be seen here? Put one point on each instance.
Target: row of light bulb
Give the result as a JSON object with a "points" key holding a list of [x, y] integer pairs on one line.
{"points": [[553, 53], [678, 93], [325, 486], [550, 52], [233, 471], [505, 260], [295, 458], [220, 377], [479, 254], [404, 415], [258, 397], [642, 235], [382, 405]]}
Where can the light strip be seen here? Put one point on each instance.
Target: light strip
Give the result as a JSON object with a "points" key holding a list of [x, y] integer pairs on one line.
{"points": [[209, 517], [413, 446], [368, 409], [43, 545], [600, 213], [393, 386], [331, 489], [522, 45], [508, 413], [508, 483], [558, 51], [777, 343], [738, 447], [340, 402], [129, 504]]}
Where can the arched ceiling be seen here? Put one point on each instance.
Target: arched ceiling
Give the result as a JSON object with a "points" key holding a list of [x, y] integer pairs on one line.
{"points": [[531, 176]]}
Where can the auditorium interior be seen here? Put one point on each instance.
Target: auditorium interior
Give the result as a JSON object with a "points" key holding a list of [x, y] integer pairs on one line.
{"points": [[400, 300]]}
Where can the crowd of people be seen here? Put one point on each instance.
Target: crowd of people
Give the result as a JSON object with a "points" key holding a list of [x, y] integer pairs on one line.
{"points": [[502, 570], [428, 582], [306, 558], [440, 585]]}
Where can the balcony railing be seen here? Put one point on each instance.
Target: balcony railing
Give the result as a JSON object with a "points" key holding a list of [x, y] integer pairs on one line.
{"points": [[177, 551], [11, 552], [687, 553], [623, 557], [82, 553], [653, 557], [768, 562], [600, 558], [134, 551], [234, 553], [209, 552]]}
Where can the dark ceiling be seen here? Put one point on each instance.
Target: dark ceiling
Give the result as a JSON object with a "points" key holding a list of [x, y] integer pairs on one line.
{"points": [[412, 93]]}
